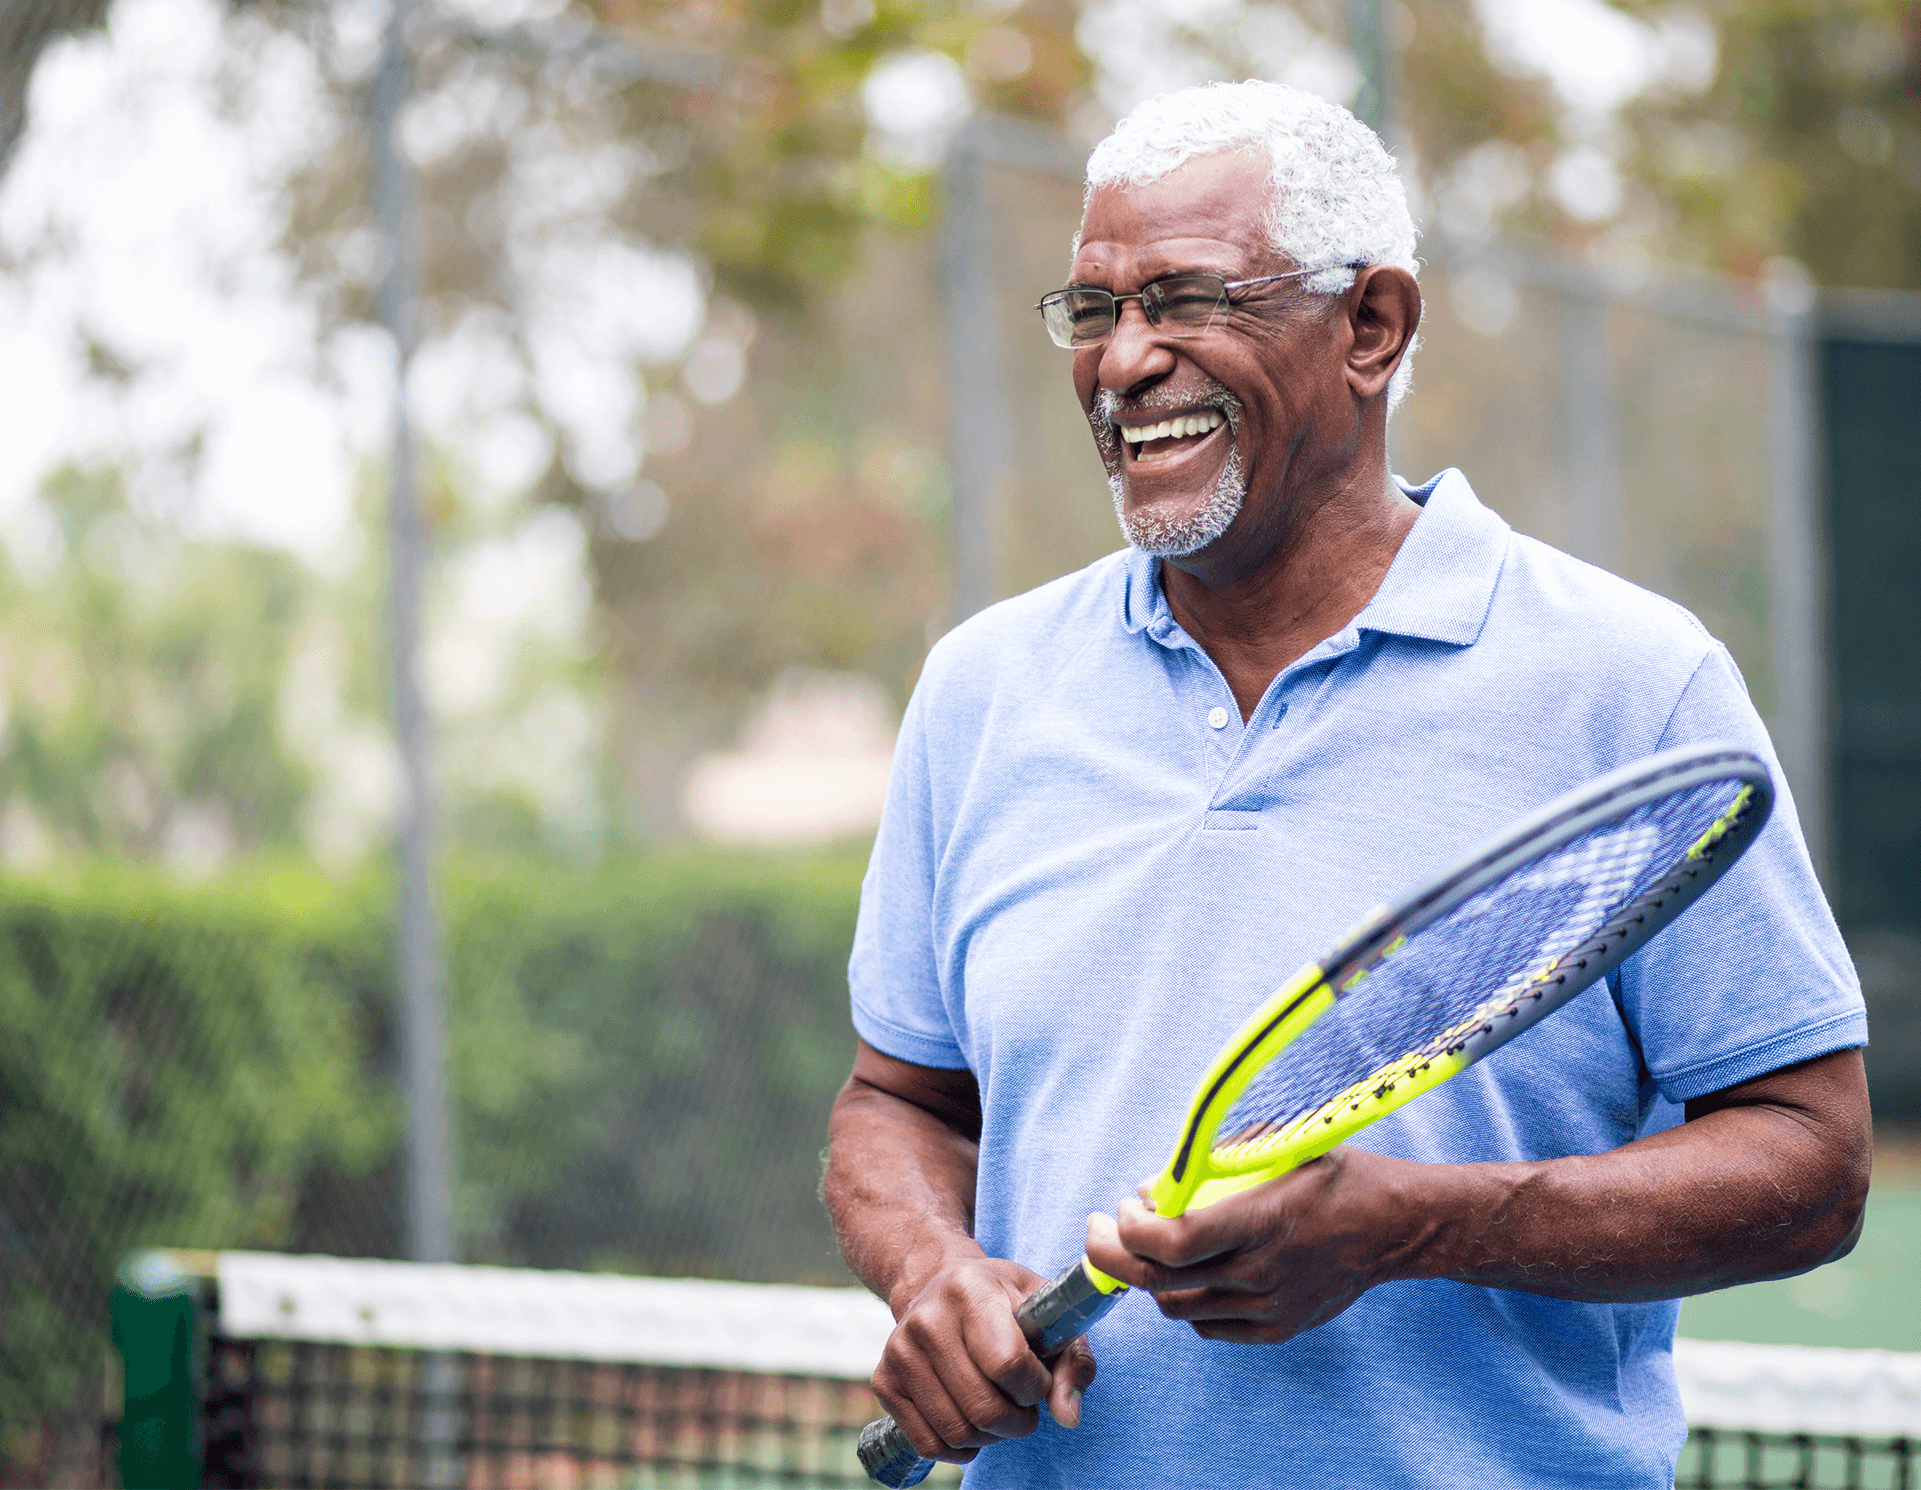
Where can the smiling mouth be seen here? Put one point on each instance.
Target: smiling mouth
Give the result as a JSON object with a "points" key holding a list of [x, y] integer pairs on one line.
{"points": [[1170, 437]]}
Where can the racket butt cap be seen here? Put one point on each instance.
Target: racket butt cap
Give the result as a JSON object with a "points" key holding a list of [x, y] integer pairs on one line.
{"points": [[888, 1457]]}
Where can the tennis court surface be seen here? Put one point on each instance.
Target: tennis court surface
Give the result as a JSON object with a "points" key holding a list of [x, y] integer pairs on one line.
{"points": [[253, 1369]]}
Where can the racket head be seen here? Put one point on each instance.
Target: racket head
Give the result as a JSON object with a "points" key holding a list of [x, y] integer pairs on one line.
{"points": [[1447, 975]]}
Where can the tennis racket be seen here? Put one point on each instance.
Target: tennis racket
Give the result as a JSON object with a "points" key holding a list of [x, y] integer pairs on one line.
{"points": [[1423, 989]]}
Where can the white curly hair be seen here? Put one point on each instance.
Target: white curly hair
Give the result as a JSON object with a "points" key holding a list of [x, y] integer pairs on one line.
{"points": [[1337, 199]]}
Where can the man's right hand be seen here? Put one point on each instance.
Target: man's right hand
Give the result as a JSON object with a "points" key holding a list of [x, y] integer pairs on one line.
{"points": [[957, 1373]]}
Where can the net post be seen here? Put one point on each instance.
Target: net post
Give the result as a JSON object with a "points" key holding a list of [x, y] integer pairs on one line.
{"points": [[154, 1312]]}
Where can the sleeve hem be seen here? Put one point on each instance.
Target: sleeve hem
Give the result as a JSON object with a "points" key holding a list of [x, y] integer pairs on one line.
{"points": [[1842, 1032], [907, 1045]]}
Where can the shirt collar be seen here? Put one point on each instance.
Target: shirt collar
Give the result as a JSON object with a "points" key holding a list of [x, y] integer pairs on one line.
{"points": [[1439, 587]]}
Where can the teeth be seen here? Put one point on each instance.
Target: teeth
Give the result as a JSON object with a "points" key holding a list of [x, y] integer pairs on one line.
{"points": [[1187, 425]]}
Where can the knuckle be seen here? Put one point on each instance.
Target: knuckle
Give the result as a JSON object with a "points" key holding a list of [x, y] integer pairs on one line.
{"points": [[950, 1423], [1007, 1363]]}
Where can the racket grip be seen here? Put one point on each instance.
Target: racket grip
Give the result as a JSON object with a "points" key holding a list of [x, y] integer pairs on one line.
{"points": [[888, 1457], [1054, 1314]]}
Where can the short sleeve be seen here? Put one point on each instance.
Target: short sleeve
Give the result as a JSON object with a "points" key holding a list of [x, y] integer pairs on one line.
{"points": [[1754, 976], [894, 974]]}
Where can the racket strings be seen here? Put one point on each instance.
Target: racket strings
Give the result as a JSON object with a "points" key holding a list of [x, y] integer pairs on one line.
{"points": [[1479, 962]]}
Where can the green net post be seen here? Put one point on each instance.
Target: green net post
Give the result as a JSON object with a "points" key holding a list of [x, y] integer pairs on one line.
{"points": [[156, 1332]]}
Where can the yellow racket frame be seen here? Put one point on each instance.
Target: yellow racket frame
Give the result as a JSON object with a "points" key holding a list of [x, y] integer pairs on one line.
{"points": [[1198, 1173]]}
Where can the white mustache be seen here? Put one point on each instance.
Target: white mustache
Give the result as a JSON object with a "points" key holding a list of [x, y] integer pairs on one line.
{"points": [[1210, 395]]}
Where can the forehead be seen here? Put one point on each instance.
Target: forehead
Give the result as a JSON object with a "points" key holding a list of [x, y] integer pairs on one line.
{"points": [[1209, 212]]}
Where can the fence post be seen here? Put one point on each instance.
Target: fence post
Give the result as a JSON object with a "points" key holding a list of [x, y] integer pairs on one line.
{"points": [[978, 417], [1591, 477], [1373, 48], [1795, 548], [429, 1213]]}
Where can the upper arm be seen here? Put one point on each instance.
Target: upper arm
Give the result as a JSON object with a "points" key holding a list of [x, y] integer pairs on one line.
{"points": [[951, 1096], [1813, 1120]]}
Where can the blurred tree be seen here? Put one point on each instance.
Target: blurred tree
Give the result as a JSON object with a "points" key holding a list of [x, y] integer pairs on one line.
{"points": [[1807, 143], [788, 182], [25, 31], [143, 687]]}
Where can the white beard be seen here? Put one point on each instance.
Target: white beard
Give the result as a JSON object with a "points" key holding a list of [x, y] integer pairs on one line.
{"points": [[1151, 533], [1174, 538]]}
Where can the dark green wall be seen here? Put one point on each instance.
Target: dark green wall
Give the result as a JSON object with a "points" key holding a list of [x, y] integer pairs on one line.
{"points": [[1871, 396]]}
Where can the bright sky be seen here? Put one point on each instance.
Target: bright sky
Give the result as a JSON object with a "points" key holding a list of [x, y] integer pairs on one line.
{"points": [[135, 216], [143, 214]]}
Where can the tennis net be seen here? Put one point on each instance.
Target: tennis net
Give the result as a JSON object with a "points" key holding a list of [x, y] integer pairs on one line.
{"points": [[251, 1369]]}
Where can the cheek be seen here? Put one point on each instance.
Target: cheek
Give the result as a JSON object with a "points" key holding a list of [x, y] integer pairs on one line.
{"points": [[1087, 370]]}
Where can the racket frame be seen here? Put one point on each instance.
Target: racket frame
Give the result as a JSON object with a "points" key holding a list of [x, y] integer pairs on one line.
{"points": [[1197, 1174]]}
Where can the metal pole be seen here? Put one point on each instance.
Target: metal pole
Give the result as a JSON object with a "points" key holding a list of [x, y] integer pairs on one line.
{"points": [[1373, 49], [429, 1214], [1794, 555], [979, 420], [1590, 431]]}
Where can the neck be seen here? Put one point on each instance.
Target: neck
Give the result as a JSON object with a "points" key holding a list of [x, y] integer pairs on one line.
{"points": [[1255, 614]]}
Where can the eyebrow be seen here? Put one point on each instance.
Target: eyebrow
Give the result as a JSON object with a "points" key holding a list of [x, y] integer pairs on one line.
{"points": [[1227, 276]]}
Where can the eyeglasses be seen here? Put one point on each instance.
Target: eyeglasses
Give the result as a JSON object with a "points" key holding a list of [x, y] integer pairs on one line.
{"points": [[1180, 305]]}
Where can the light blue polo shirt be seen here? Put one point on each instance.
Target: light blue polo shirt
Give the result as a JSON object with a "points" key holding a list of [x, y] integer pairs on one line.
{"points": [[1089, 871]]}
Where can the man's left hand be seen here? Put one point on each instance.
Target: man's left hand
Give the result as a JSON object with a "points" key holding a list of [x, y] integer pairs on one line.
{"points": [[1264, 1265], [1764, 1179]]}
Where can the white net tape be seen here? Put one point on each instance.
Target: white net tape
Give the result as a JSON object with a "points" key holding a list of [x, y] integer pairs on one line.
{"points": [[839, 1332], [835, 1332]]}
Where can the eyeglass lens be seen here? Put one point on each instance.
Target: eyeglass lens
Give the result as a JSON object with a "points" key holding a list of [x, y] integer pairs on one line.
{"points": [[1183, 305]]}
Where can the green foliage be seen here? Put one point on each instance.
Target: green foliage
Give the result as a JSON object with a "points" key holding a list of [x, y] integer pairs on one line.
{"points": [[168, 1064], [143, 684], [642, 1057], [784, 182], [1808, 142]]}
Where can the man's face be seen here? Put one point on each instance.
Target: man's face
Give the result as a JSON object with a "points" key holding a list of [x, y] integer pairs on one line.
{"points": [[1255, 388]]}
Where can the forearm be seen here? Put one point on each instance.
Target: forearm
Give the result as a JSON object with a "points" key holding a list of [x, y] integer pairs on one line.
{"points": [[902, 1157], [899, 1188], [1733, 1197], [1764, 1180]]}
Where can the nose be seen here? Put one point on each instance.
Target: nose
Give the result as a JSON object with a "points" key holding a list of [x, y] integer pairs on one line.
{"points": [[1137, 354]]}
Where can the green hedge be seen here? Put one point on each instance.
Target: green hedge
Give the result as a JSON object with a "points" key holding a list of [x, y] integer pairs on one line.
{"points": [[641, 1059]]}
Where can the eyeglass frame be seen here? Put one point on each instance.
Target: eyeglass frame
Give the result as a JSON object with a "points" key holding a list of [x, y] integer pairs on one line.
{"points": [[1153, 319]]}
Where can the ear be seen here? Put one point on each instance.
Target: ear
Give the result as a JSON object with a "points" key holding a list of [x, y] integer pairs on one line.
{"points": [[1383, 307]]}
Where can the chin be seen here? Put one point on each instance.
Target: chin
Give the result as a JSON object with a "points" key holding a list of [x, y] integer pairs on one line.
{"points": [[1174, 529]]}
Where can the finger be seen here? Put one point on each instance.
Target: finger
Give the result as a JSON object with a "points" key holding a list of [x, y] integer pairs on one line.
{"points": [[1073, 1371], [1244, 1332], [921, 1434], [997, 1346], [945, 1386], [1212, 1303], [977, 1411], [1182, 1241], [1106, 1252]]}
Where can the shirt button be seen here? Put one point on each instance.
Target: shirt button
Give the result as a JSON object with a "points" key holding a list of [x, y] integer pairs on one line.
{"points": [[1217, 718]]}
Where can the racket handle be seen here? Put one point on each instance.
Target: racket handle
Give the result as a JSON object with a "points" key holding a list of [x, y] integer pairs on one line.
{"points": [[1054, 1314]]}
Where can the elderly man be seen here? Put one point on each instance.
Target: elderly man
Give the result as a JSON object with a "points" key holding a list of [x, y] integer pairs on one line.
{"points": [[1125, 804]]}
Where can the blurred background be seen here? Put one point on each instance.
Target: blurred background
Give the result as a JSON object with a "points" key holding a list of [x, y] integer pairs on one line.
{"points": [[478, 480]]}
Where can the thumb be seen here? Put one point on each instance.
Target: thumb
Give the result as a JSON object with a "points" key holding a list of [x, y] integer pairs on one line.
{"points": [[1073, 1371]]}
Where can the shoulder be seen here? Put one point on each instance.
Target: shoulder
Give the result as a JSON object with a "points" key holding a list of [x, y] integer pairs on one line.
{"points": [[1574, 618], [1544, 586], [1024, 641]]}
